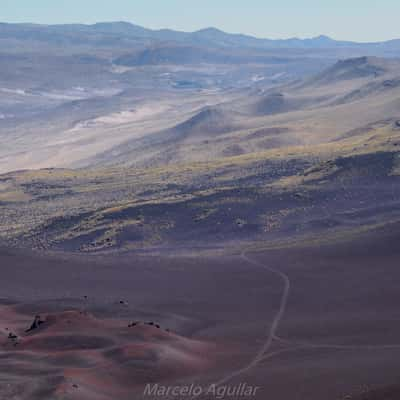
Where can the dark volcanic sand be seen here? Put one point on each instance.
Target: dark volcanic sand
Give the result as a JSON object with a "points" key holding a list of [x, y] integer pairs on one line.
{"points": [[339, 335]]}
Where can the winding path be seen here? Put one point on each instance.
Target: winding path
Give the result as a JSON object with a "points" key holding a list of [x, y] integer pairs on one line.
{"points": [[263, 354], [271, 333]]}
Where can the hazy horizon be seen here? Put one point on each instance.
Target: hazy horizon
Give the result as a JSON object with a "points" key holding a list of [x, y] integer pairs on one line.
{"points": [[257, 18], [200, 29]]}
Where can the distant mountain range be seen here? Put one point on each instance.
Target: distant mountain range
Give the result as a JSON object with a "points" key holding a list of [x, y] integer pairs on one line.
{"points": [[112, 33]]}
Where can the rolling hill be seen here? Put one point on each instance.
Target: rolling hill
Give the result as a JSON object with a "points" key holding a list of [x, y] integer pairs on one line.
{"points": [[346, 97]]}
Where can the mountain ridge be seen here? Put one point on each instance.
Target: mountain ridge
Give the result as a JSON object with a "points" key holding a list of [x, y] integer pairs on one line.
{"points": [[205, 36]]}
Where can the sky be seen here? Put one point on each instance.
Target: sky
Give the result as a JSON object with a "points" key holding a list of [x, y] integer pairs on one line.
{"points": [[359, 20]]}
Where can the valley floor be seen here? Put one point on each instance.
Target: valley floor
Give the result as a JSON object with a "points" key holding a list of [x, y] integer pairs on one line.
{"points": [[316, 322]]}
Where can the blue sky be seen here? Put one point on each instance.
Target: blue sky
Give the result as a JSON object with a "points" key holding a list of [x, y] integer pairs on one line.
{"points": [[361, 20]]}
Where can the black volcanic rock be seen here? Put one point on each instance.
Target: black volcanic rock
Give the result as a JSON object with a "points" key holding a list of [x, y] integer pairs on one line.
{"points": [[35, 324]]}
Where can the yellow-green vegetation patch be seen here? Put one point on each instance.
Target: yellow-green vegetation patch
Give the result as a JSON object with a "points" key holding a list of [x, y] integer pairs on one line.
{"points": [[14, 196], [101, 203], [273, 221], [316, 173], [117, 208], [329, 237], [204, 214], [97, 223]]}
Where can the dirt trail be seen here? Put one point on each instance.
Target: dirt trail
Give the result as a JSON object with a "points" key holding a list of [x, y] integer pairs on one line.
{"points": [[263, 354], [271, 333]]}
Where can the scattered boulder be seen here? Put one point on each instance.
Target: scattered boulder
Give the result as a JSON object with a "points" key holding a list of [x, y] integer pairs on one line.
{"points": [[389, 83], [35, 324], [151, 323], [240, 223], [12, 336]]}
